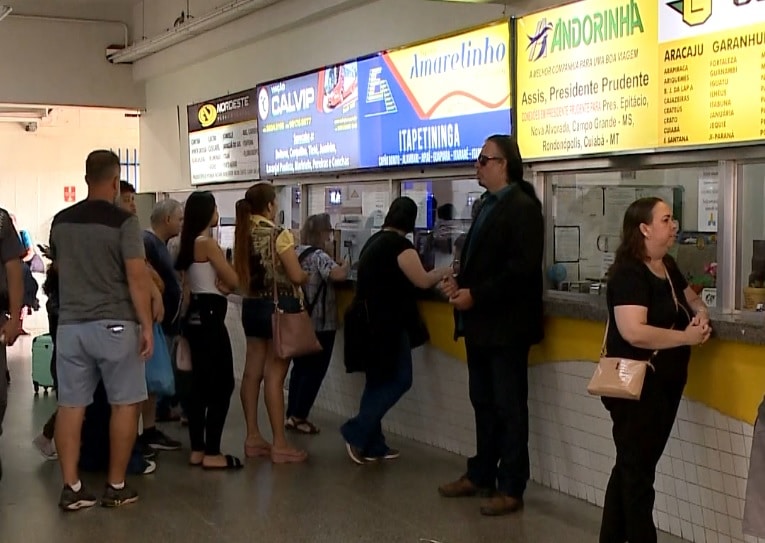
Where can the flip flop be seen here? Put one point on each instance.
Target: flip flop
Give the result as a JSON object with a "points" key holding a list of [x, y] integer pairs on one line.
{"points": [[232, 463], [302, 426]]}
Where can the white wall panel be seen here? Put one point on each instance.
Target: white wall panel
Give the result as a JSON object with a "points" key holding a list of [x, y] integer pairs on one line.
{"points": [[54, 62]]}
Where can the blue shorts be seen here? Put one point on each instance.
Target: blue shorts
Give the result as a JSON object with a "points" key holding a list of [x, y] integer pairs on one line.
{"points": [[256, 315], [87, 352]]}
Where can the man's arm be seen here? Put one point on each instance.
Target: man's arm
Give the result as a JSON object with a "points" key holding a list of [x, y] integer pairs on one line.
{"points": [[11, 251], [523, 258], [137, 273]]}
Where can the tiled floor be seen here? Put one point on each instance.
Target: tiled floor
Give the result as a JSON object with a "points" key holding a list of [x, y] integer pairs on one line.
{"points": [[327, 499]]}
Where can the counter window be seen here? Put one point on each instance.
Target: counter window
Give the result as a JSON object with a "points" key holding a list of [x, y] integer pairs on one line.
{"points": [[751, 250], [587, 214], [356, 210], [444, 217]]}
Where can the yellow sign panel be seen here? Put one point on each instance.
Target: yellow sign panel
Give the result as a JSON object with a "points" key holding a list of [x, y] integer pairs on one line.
{"points": [[587, 78], [712, 61]]}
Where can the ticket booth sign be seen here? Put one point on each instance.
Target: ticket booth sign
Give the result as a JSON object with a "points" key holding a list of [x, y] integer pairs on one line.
{"points": [[70, 194]]}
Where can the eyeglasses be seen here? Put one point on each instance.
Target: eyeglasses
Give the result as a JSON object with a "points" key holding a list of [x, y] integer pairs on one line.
{"points": [[483, 160]]}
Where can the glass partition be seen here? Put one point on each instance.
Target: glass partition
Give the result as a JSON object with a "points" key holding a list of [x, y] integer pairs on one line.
{"points": [[357, 210], [587, 210], [444, 217], [751, 265]]}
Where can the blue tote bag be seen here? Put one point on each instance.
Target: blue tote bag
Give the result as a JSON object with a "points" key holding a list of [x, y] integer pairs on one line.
{"points": [[160, 379]]}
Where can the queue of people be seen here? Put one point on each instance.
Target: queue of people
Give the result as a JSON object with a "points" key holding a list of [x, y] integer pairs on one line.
{"points": [[107, 306]]}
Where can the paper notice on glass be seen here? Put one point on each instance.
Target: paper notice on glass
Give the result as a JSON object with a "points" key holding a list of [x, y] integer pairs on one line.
{"points": [[566, 243], [568, 206], [592, 201], [420, 198], [374, 205], [708, 202], [618, 199]]}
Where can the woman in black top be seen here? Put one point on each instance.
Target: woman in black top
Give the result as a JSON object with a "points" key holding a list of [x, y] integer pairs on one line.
{"points": [[380, 343], [651, 309]]}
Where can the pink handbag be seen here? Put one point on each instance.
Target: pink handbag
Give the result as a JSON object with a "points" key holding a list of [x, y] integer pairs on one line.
{"points": [[622, 377], [293, 333]]}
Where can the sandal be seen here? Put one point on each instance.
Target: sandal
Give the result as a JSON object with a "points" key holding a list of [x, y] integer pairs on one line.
{"points": [[196, 464], [288, 456], [303, 426], [255, 451], [232, 463]]}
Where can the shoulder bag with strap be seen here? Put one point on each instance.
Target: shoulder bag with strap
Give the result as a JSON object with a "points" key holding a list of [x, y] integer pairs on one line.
{"points": [[293, 333], [623, 378], [321, 293]]}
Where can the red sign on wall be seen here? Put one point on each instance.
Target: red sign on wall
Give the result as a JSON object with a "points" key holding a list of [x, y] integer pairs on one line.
{"points": [[70, 194]]}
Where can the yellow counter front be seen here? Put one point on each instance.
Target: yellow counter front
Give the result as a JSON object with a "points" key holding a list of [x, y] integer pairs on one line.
{"points": [[726, 375]]}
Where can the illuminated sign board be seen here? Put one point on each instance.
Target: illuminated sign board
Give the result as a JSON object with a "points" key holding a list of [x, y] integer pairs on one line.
{"points": [[422, 105], [223, 139], [587, 78]]}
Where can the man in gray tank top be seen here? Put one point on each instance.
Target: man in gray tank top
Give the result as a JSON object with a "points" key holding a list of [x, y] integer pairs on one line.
{"points": [[105, 327]]}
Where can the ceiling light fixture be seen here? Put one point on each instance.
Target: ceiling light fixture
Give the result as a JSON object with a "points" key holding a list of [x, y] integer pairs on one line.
{"points": [[5, 10]]}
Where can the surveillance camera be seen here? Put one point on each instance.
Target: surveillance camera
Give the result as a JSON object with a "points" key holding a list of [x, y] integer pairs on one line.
{"points": [[30, 127]]}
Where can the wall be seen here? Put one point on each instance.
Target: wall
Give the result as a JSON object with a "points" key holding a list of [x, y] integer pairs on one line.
{"points": [[54, 62], [37, 166], [164, 149]]}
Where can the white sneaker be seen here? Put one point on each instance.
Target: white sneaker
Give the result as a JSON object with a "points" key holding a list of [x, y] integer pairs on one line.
{"points": [[46, 447]]}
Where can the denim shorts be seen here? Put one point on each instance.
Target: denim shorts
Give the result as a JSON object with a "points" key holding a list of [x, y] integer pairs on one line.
{"points": [[256, 315], [87, 352]]}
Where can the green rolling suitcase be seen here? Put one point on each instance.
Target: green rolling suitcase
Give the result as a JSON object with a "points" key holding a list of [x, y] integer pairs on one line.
{"points": [[42, 351]]}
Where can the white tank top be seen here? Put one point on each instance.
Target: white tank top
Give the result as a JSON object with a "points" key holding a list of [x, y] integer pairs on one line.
{"points": [[201, 278]]}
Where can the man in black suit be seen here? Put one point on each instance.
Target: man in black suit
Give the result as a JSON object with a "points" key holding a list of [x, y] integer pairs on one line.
{"points": [[497, 297]]}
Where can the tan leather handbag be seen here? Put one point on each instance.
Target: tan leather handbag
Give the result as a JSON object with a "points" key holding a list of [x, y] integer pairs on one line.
{"points": [[293, 333], [618, 377], [622, 377]]}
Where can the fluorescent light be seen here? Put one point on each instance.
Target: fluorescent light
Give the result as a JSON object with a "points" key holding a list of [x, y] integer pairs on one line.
{"points": [[5, 10], [192, 27]]}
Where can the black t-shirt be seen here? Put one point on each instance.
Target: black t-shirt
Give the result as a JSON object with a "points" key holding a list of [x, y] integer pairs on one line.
{"points": [[634, 284], [390, 296]]}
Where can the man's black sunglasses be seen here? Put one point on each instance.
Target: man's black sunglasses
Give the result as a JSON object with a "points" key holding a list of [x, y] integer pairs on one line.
{"points": [[483, 160]]}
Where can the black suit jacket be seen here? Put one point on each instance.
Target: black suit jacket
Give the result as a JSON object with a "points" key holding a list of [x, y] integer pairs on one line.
{"points": [[504, 274]]}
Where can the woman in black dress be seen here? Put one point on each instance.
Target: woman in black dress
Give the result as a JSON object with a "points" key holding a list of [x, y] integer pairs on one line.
{"points": [[651, 310]]}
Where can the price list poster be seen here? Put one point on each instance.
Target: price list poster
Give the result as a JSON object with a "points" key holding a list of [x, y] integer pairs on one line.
{"points": [[712, 64]]}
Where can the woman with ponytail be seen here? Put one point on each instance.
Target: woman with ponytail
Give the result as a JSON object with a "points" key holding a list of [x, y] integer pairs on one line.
{"points": [[256, 237]]}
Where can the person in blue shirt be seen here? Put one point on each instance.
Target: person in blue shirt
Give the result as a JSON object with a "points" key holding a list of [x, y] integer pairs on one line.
{"points": [[166, 223]]}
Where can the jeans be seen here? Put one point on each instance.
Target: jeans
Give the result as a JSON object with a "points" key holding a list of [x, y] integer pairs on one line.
{"points": [[381, 393], [212, 372], [641, 431], [498, 383], [307, 375]]}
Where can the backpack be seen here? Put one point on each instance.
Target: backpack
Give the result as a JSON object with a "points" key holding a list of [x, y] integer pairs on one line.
{"points": [[321, 293]]}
